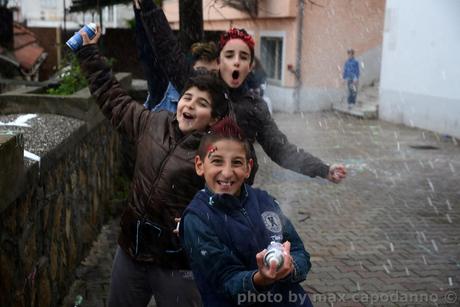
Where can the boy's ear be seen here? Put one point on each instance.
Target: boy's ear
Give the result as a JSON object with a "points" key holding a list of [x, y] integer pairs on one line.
{"points": [[250, 165], [199, 166]]}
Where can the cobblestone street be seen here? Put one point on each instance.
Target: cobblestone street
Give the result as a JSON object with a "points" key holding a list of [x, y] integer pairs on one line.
{"points": [[387, 236]]}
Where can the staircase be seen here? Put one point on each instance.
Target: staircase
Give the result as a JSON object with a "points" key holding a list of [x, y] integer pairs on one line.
{"points": [[366, 106]]}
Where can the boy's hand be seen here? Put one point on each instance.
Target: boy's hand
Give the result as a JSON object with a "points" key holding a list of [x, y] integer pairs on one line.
{"points": [[176, 230], [337, 172], [136, 4], [266, 276], [94, 40]]}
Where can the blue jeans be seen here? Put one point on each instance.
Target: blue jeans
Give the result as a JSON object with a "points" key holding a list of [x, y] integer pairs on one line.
{"points": [[352, 91]]}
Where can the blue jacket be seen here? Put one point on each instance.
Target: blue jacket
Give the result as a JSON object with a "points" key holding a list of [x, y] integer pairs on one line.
{"points": [[351, 70], [222, 235]]}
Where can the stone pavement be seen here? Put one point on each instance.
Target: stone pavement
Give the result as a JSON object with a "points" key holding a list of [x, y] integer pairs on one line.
{"points": [[387, 236]]}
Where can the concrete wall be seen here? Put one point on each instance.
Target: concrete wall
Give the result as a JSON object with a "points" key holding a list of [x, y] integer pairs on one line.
{"points": [[50, 218], [48, 230], [420, 65], [328, 32]]}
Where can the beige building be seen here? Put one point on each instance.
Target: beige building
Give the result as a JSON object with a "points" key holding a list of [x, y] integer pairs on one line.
{"points": [[315, 42]]}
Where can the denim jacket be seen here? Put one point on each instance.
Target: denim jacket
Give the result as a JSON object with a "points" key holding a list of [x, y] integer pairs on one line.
{"points": [[351, 70], [222, 235], [168, 103]]}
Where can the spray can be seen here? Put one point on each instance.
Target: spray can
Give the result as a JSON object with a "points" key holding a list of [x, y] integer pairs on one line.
{"points": [[275, 252], [76, 41]]}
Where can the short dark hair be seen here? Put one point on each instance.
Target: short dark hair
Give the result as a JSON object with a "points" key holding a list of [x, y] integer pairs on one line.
{"points": [[206, 81], [225, 129]]}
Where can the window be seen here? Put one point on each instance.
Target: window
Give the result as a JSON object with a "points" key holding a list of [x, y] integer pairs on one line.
{"points": [[271, 54]]}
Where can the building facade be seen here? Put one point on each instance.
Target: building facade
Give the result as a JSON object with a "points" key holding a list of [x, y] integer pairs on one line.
{"points": [[50, 14], [420, 65]]}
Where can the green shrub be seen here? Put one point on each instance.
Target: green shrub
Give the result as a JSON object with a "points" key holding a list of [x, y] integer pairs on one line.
{"points": [[72, 81]]}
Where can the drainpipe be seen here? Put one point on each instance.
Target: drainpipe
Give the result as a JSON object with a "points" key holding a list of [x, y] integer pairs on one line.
{"points": [[298, 64]]}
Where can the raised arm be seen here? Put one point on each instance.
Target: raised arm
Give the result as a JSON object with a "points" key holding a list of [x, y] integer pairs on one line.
{"points": [[125, 114], [165, 44]]}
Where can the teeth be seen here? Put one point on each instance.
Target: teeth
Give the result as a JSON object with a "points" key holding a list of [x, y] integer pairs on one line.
{"points": [[227, 183]]}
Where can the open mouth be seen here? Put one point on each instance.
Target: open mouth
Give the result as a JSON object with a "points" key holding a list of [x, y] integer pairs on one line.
{"points": [[235, 74], [187, 115]]}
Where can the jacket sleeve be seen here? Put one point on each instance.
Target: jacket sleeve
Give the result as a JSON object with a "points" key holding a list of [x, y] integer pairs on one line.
{"points": [[300, 256], [124, 113], [165, 44], [280, 150], [357, 69], [215, 261]]}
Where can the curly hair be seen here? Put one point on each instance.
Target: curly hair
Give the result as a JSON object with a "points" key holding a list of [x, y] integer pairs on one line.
{"points": [[204, 51], [207, 81]]}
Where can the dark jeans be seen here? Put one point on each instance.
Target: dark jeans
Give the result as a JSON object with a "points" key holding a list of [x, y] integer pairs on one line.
{"points": [[157, 81], [352, 91], [133, 284]]}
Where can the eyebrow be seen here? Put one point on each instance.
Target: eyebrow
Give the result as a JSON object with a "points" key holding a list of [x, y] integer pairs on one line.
{"points": [[205, 100]]}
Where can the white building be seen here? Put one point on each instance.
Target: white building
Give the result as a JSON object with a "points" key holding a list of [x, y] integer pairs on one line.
{"points": [[420, 74], [50, 14]]}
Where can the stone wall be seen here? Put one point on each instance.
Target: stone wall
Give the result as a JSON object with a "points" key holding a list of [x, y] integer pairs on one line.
{"points": [[47, 231]]}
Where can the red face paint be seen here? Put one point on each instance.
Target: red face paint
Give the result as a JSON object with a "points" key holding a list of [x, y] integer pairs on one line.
{"points": [[211, 149]]}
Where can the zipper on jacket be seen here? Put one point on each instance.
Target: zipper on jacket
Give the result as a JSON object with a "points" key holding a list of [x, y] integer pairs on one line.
{"points": [[163, 165], [246, 215]]}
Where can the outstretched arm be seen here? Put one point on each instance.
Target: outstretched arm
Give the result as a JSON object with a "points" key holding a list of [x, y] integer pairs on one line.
{"points": [[123, 112], [166, 45]]}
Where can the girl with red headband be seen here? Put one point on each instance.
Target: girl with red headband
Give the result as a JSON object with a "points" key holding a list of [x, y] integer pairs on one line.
{"points": [[236, 56]]}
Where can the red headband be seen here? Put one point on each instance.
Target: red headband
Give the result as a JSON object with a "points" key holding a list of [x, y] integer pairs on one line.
{"points": [[235, 33]]}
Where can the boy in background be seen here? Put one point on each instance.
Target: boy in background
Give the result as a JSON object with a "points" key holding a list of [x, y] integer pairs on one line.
{"points": [[351, 76]]}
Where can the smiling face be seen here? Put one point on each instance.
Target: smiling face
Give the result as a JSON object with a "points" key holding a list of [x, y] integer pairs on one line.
{"points": [[235, 62], [225, 166], [194, 110]]}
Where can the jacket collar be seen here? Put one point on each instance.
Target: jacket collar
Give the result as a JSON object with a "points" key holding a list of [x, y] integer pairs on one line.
{"points": [[227, 202], [241, 91]]}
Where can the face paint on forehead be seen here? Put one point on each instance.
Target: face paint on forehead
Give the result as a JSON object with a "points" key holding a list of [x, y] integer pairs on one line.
{"points": [[211, 149]]}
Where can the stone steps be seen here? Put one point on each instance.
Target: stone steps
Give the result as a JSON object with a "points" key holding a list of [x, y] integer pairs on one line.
{"points": [[367, 106]]}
